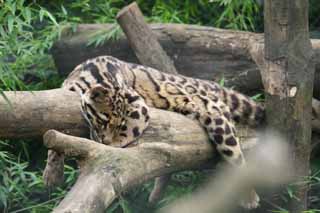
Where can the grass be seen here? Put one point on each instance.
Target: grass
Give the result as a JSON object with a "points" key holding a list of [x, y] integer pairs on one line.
{"points": [[22, 189]]}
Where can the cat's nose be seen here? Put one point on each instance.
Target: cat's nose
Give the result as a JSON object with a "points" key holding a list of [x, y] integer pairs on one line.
{"points": [[106, 140]]}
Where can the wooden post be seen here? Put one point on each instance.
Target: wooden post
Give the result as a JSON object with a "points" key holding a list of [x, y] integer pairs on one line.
{"points": [[142, 40], [288, 81]]}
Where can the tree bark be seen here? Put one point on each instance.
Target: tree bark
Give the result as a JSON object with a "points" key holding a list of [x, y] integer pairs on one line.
{"points": [[106, 172], [197, 51], [142, 40], [288, 81], [316, 115], [31, 114]]}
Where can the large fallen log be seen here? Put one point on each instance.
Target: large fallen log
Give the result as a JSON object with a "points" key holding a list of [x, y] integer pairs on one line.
{"points": [[197, 51], [31, 114]]}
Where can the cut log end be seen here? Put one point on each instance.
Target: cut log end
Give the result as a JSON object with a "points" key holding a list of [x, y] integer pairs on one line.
{"points": [[49, 138], [128, 9]]}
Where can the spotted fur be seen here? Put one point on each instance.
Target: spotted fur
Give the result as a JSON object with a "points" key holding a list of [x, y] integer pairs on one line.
{"points": [[115, 93], [116, 96]]}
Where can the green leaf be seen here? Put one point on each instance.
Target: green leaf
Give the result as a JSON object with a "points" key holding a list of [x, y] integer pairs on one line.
{"points": [[41, 14], [3, 32], [3, 198], [290, 192], [6, 99], [221, 82], [51, 17], [64, 11], [257, 97], [10, 23], [125, 205], [27, 15]]}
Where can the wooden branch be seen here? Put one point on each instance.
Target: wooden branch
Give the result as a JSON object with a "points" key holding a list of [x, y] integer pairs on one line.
{"points": [[142, 40], [197, 51], [106, 172], [288, 77], [160, 185], [31, 114]]}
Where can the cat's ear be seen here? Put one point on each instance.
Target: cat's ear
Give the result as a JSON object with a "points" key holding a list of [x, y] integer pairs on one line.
{"points": [[99, 93]]}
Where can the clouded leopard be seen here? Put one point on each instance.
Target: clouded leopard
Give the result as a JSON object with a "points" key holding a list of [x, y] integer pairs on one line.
{"points": [[116, 96]]}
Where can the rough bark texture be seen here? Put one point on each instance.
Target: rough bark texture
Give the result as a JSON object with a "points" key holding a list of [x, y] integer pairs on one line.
{"points": [[288, 80], [31, 114], [106, 172], [197, 51], [316, 115], [142, 40]]}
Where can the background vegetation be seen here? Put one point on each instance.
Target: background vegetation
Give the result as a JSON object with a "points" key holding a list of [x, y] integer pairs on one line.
{"points": [[28, 30]]}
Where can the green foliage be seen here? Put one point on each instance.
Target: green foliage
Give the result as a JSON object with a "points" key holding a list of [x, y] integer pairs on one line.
{"points": [[22, 190], [105, 35], [240, 15], [258, 97], [221, 82], [28, 30]]}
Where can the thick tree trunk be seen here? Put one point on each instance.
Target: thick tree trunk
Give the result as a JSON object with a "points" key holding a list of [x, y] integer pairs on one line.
{"points": [[197, 51], [288, 80]]}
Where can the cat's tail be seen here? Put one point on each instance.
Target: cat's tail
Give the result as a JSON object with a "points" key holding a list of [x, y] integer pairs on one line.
{"points": [[243, 108]]}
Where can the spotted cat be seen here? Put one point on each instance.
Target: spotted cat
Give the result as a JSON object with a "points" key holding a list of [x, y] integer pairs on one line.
{"points": [[115, 97]]}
